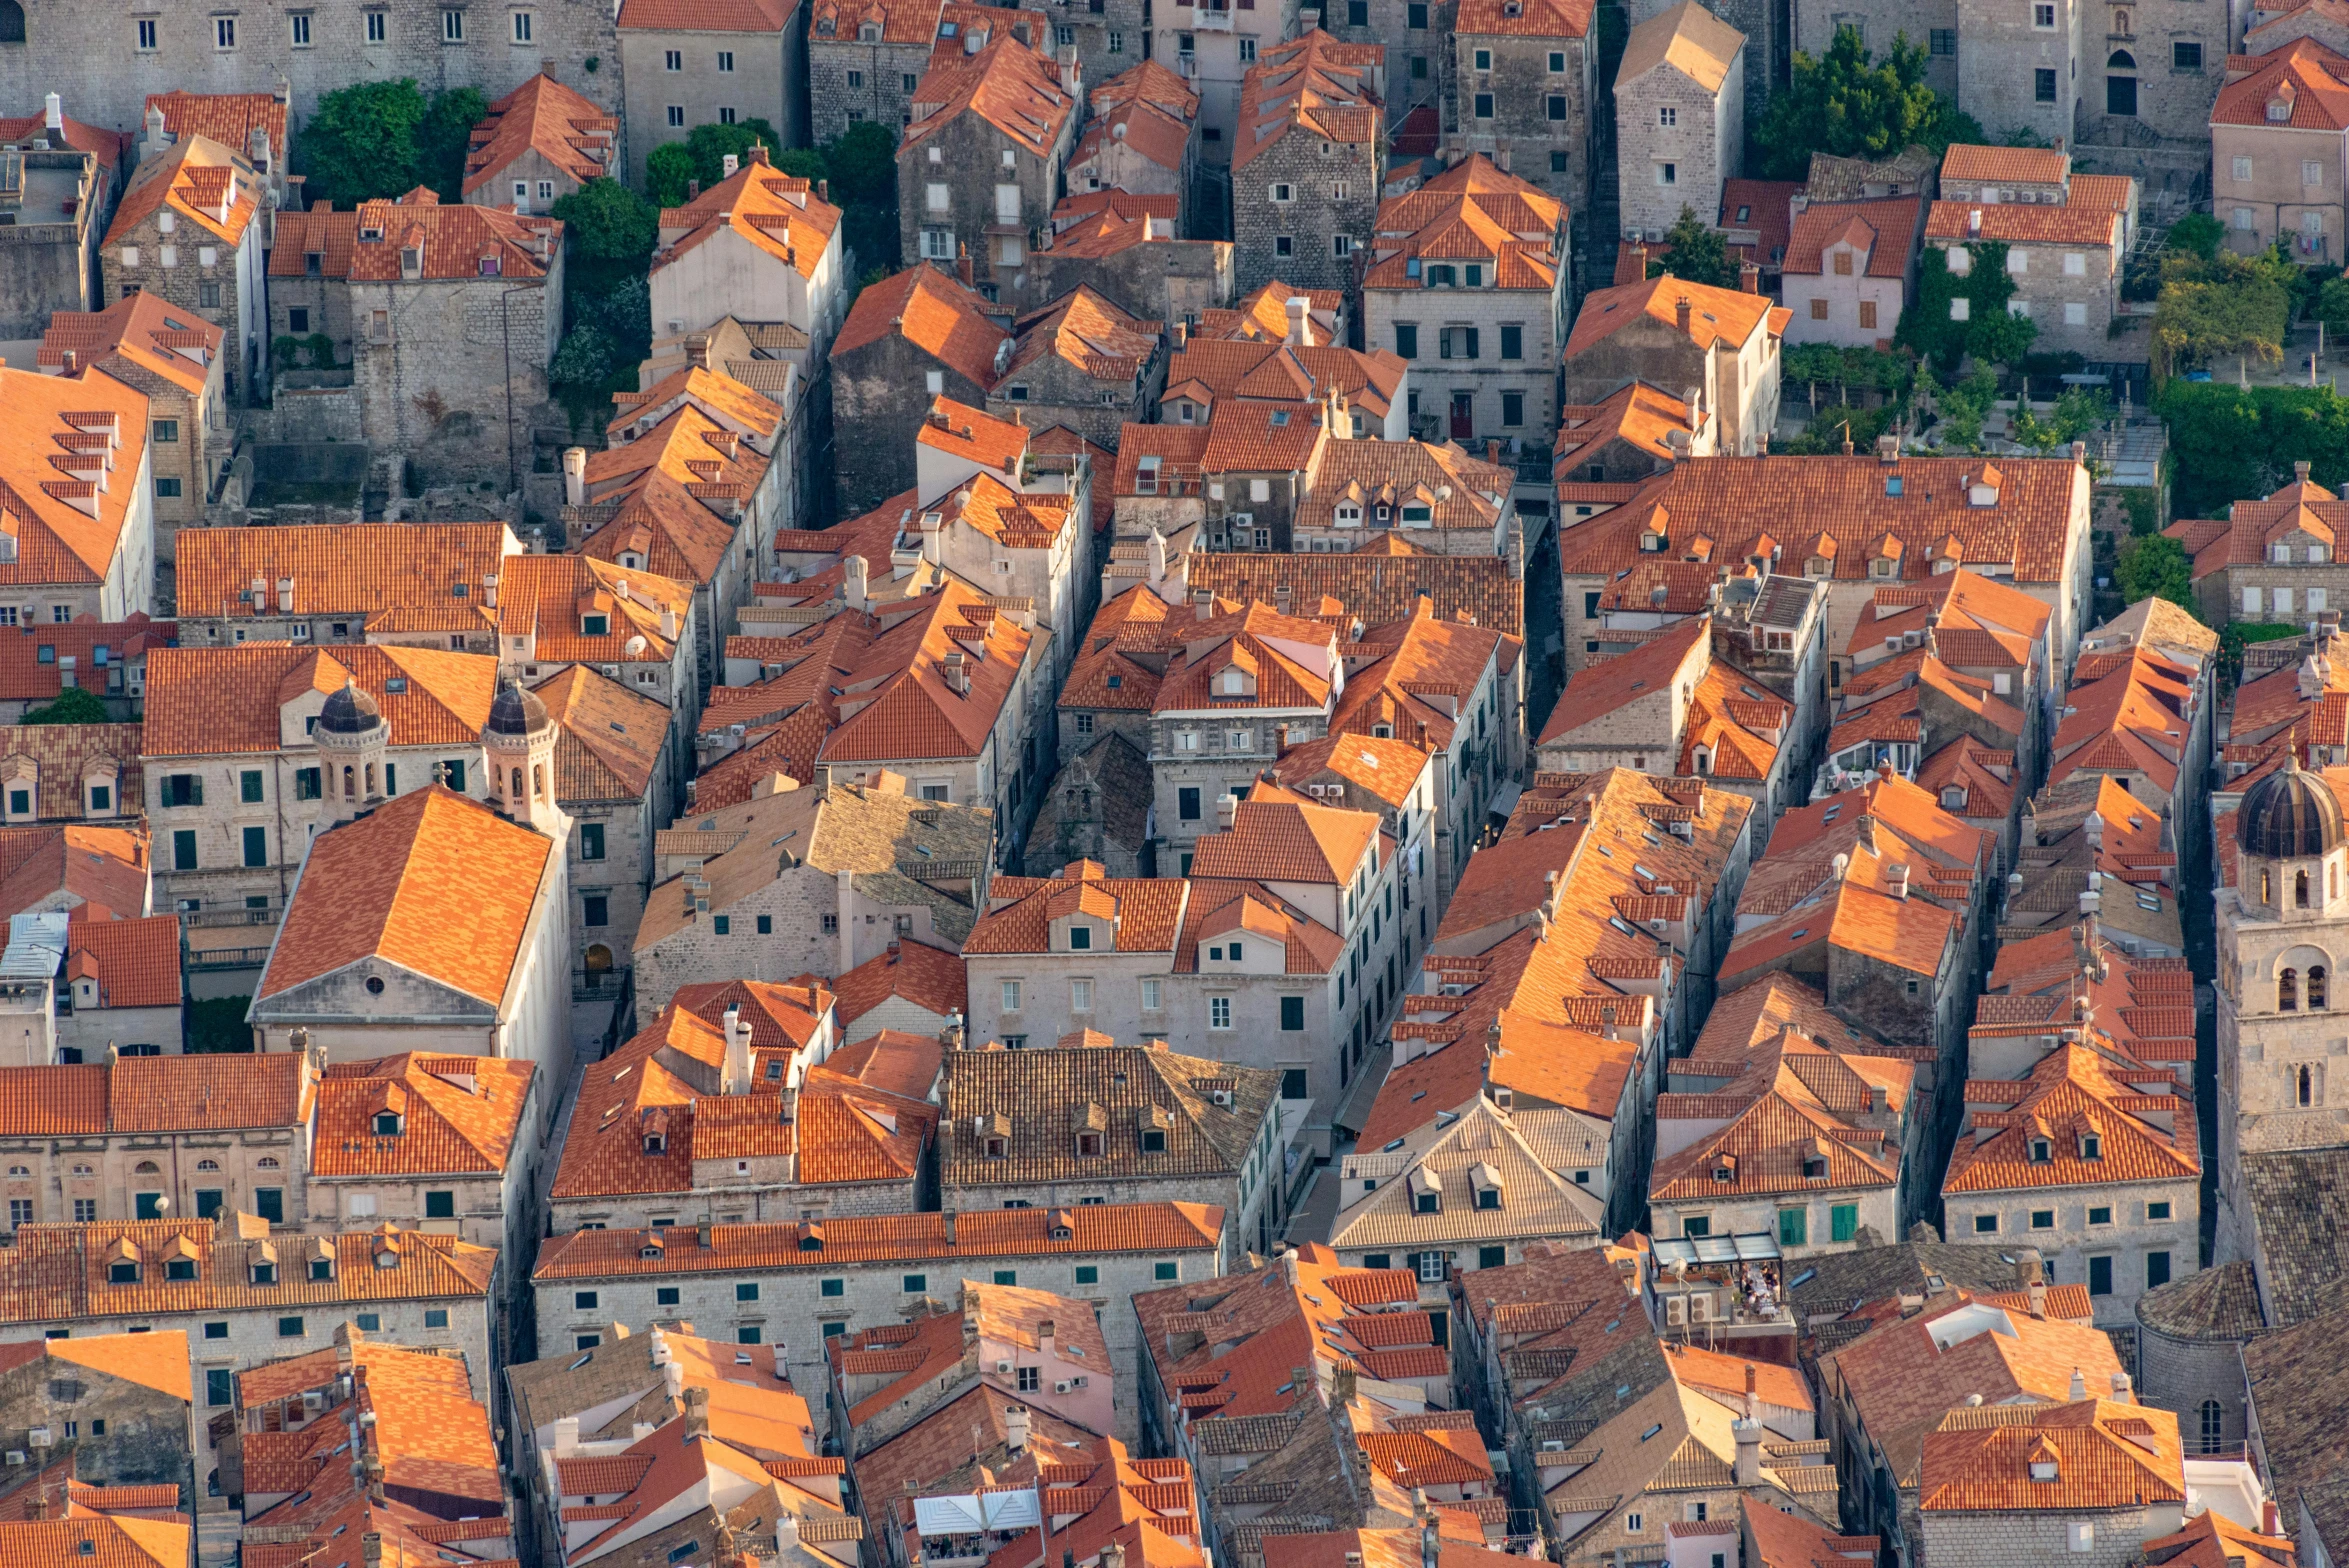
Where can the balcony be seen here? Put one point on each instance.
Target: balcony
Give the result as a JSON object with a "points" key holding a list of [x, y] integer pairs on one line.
{"points": [[599, 985], [1211, 19]]}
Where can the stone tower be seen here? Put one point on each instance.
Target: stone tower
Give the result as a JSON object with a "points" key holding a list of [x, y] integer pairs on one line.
{"points": [[2283, 933], [351, 737], [518, 747]]}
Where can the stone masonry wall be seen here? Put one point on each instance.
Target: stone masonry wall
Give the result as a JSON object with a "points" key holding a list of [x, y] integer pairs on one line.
{"points": [[1332, 200]]}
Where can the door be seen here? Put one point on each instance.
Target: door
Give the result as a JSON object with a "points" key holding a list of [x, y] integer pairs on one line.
{"points": [[1463, 415]]}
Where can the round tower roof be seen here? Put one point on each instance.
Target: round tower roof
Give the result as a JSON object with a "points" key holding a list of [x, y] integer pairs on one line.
{"points": [[517, 712], [349, 711], [2291, 814]]}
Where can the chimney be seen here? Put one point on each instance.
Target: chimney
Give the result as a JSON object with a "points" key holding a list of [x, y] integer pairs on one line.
{"points": [[1431, 1549], [1044, 1337], [1749, 279], [731, 164], [2300, 472], [758, 153], [1682, 308], [2270, 1524], [1897, 877], [2121, 1394], [285, 595], [1157, 549], [962, 265], [2079, 1385], [693, 190], [1635, 262], [566, 1436], [1202, 604], [1749, 1451], [2036, 1292], [154, 137], [734, 1077], [855, 572], [53, 117], [1300, 321], [786, 1534], [1492, 451], [574, 476], [824, 191], [1226, 807], [1070, 76], [1753, 1397], [697, 1413], [1974, 224], [371, 1550], [1015, 1428], [670, 624]]}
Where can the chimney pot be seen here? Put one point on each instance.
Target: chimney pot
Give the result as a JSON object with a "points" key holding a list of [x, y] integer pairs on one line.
{"points": [[1683, 309]]}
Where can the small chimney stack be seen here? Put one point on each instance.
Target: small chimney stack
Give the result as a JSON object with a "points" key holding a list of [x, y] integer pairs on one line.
{"points": [[697, 1414], [1683, 309], [53, 118], [1226, 808], [574, 476], [1300, 321], [1749, 279], [1749, 1451], [856, 582], [1015, 1428]]}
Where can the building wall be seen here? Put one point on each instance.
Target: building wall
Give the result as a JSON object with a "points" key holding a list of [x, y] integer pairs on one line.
{"points": [[90, 1030], [821, 927], [2072, 309], [1878, 23], [1441, 378], [2168, 138], [1704, 146], [456, 369], [1842, 298], [200, 438], [129, 1434], [50, 264], [96, 66], [2071, 1241], [1171, 280], [1313, 220], [949, 189], [2269, 196], [1213, 50], [2009, 1540], [1413, 32], [763, 82], [2004, 47], [227, 293], [2182, 1375], [1539, 124], [246, 1159], [792, 1310], [883, 390], [850, 81]]}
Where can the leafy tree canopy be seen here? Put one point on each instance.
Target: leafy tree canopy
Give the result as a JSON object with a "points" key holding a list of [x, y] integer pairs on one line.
{"points": [[611, 232], [1851, 105], [668, 169], [374, 140], [2231, 443], [1697, 252], [2332, 306], [443, 137], [2151, 566], [862, 162], [2198, 234], [74, 705]]}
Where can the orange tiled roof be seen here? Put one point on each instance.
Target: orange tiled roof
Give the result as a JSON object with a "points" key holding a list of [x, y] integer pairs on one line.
{"points": [[1264, 315], [1316, 84], [1971, 163], [349, 568], [671, 497], [456, 1114], [142, 330], [1472, 211], [896, 702], [433, 882], [716, 16], [107, 146], [2087, 1455], [928, 977], [213, 700], [227, 118], [1885, 231], [1640, 414], [900, 21], [1088, 332], [1765, 207], [541, 116], [2023, 223], [1540, 19], [2070, 1097], [449, 241], [104, 868], [1007, 84], [1716, 315], [99, 1540], [135, 961], [77, 446], [210, 185], [779, 213], [932, 310], [985, 1233]]}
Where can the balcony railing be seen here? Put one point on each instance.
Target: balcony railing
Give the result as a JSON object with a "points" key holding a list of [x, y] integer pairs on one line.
{"points": [[590, 985]]}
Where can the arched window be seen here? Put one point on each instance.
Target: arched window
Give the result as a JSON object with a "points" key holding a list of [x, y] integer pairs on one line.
{"points": [[147, 1168], [2288, 991], [11, 22], [2299, 890], [2267, 886], [2316, 988], [2307, 1077], [514, 785], [538, 781], [2214, 1425], [2121, 59], [350, 783]]}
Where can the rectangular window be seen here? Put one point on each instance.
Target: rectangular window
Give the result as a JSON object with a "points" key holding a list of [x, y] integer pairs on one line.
{"points": [[1794, 1227], [376, 23], [256, 847], [1512, 408], [1219, 1012], [249, 786], [665, 1296], [914, 1284], [1843, 1222], [1407, 339], [452, 27], [301, 29], [2100, 1276], [722, 925], [2100, 1214], [2043, 85], [436, 1317], [224, 32], [1166, 1271], [440, 1205], [747, 1290], [1292, 1013], [2157, 1270], [1943, 40], [1186, 804], [676, 116], [1868, 315], [1007, 1277], [583, 1300], [1512, 342], [2186, 58], [522, 27], [1484, 106], [289, 1328], [1088, 1274], [167, 487], [725, 59], [219, 1382], [146, 36], [1985, 1224], [183, 849], [1557, 106], [2157, 1211], [2043, 1219], [166, 430]]}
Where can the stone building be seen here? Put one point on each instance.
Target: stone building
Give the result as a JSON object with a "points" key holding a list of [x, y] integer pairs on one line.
{"points": [[108, 72], [1850, 268], [447, 316], [2279, 927], [126, 1404], [1525, 80], [1129, 249], [864, 63], [2028, 1481], [2100, 1176], [683, 65], [915, 336], [58, 197], [1679, 115], [877, 866], [1470, 271], [2190, 1336], [1307, 162], [2145, 92], [737, 1103], [2065, 255], [2024, 70], [1631, 433], [1216, 44], [2276, 172], [798, 1285], [2264, 562], [190, 230], [1672, 333], [83, 540], [1083, 363], [1465, 1195], [1089, 1122], [179, 367], [985, 154], [540, 143], [760, 247], [1143, 137]]}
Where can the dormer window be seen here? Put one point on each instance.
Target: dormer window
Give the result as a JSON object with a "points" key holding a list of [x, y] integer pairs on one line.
{"points": [[1349, 516], [595, 625], [1815, 1168], [264, 1273], [997, 1148], [1421, 515], [322, 1268], [656, 1143], [1088, 1145], [2279, 111], [1880, 567], [490, 266], [1234, 683], [1427, 1203], [2045, 1469], [411, 261], [180, 1269], [1153, 1141], [1484, 1187], [2041, 1151], [2091, 1146], [1080, 938], [123, 1272]]}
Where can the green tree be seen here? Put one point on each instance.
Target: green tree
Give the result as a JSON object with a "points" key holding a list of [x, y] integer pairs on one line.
{"points": [[361, 142], [1847, 104], [1932, 328], [805, 162], [668, 172], [2154, 566], [2198, 234], [2231, 443], [1999, 337], [2332, 307], [74, 705], [2242, 318], [1963, 405], [610, 232], [441, 140], [862, 161], [1697, 252], [710, 144]]}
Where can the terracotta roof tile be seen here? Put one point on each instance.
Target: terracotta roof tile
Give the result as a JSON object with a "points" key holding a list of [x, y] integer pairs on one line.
{"points": [[778, 213], [1765, 207], [212, 700], [542, 116], [142, 330], [456, 1114], [208, 183], [1007, 84], [1640, 414], [2103, 1455], [930, 309], [432, 881], [353, 569], [2024, 223], [930, 978], [135, 961], [1689, 38], [1717, 315], [64, 754], [1316, 84], [1885, 231], [66, 477]]}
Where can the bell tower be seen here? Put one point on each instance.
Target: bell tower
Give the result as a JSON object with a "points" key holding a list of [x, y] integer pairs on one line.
{"points": [[351, 737], [518, 748]]}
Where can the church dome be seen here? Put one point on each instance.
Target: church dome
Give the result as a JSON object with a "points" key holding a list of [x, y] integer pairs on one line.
{"points": [[517, 712], [349, 711], [2289, 815]]}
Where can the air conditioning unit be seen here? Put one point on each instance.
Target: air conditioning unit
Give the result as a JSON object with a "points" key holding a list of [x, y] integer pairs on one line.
{"points": [[1220, 1096], [1060, 1387], [313, 1399], [16, 1456], [1553, 1445], [1699, 1308], [1003, 1368], [1675, 1311]]}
